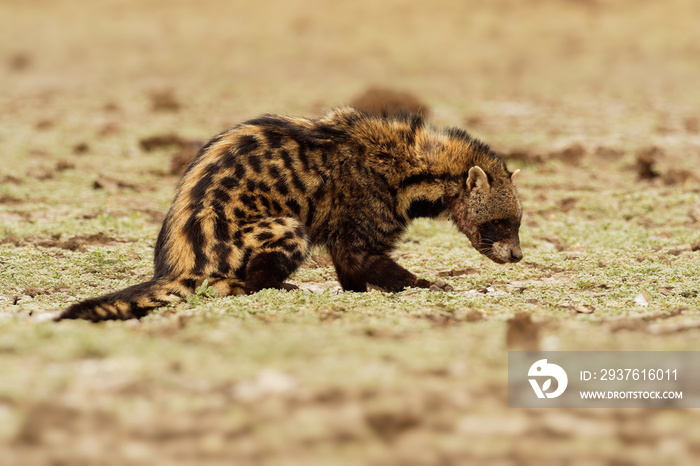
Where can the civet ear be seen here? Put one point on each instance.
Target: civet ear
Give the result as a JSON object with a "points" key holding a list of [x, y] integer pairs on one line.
{"points": [[477, 179], [512, 177]]}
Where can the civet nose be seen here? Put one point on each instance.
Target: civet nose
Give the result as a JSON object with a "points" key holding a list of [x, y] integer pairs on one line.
{"points": [[516, 254]]}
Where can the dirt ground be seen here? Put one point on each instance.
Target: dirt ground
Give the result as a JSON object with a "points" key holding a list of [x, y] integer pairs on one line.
{"points": [[103, 103]]}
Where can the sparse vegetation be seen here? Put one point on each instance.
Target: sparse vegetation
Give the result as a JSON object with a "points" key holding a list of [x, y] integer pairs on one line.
{"points": [[573, 93]]}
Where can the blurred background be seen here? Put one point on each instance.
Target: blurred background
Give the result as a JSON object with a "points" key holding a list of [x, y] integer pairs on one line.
{"points": [[104, 102], [537, 73]]}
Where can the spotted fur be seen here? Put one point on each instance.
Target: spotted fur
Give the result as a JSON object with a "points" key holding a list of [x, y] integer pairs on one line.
{"points": [[259, 195]]}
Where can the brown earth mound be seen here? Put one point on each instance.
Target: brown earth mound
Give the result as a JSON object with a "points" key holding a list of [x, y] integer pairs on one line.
{"points": [[379, 101]]}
